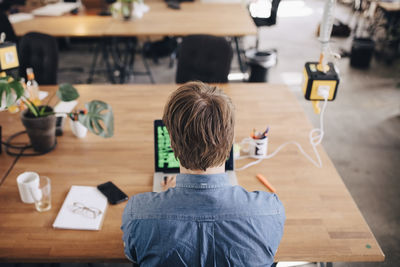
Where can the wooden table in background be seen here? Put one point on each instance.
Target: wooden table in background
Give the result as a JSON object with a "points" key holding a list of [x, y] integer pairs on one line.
{"points": [[65, 26], [227, 19], [192, 18], [323, 222]]}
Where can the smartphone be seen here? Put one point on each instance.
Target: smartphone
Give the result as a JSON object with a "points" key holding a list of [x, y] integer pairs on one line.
{"points": [[112, 192]]}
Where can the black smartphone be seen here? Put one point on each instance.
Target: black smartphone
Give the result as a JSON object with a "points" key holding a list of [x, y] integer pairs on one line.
{"points": [[113, 193]]}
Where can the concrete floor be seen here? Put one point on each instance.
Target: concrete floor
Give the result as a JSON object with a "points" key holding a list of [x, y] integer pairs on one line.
{"points": [[362, 125]]}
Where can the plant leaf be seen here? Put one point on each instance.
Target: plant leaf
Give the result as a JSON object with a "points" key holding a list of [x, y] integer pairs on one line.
{"points": [[98, 111], [41, 112], [9, 97], [3, 87], [32, 107], [66, 92], [12, 90], [18, 88]]}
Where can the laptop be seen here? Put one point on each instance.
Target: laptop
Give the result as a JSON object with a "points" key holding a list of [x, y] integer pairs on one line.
{"points": [[165, 163]]}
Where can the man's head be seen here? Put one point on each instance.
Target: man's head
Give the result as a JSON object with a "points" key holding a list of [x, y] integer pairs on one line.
{"points": [[200, 121]]}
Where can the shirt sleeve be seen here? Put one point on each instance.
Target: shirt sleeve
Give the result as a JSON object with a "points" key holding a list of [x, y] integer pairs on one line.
{"points": [[279, 223], [127, 225]]}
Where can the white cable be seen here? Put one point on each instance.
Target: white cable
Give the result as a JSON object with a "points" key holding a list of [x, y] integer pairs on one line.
{"points": [[315, 137]]}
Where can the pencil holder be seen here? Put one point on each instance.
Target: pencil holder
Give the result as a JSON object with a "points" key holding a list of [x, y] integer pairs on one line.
{"points": [[256, 148], [78, 129]]}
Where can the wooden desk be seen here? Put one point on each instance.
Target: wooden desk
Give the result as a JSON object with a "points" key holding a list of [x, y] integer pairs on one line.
{"points": [[193, 18], [323, 222], [65, 26]]}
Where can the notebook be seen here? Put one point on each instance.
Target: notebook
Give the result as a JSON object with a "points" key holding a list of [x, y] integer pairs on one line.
{"points": [[83, 209], [166, 164]]}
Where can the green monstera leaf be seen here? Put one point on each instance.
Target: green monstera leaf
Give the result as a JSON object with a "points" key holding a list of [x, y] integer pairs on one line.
{"points": [[11, 90], [66, 92], [99, 118]]}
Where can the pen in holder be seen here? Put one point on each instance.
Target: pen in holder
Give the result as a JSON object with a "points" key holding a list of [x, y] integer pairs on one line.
{"points": [[256, 145], [77, 128], [256, 148]]}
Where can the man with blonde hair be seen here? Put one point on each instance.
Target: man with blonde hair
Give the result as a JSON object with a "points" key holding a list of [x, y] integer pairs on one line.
{"points": [[202, 220]]}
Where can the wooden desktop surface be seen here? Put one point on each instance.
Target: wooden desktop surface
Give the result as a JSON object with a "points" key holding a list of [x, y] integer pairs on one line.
{"points": [[65, 26], [323, 222], [192, 18]]}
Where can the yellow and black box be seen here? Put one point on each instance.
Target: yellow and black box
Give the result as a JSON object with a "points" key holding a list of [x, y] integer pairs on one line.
{"points": [[315, 79], [8, 56]]}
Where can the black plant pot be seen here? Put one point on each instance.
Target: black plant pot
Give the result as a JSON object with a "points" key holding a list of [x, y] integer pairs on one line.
{"points": [[41, 130]]}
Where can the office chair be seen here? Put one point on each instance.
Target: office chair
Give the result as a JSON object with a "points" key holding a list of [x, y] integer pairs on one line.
{"points": [[204, 58], [265, 21], [40, 52], [6, 27]]}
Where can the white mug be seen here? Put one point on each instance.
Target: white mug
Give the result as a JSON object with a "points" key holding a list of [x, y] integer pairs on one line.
{"points": [[256, 148], [28, 184]]}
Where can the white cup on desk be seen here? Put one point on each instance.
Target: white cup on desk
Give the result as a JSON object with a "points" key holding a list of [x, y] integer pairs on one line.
{"points": [[26, 182]]}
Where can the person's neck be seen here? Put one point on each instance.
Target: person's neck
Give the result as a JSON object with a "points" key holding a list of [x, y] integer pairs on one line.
{"points": [[213, 170]]}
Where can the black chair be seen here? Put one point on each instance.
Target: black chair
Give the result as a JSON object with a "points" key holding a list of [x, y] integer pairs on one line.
{"points": [[204, 58], [267, 21], [40, 52], [6, 27]]}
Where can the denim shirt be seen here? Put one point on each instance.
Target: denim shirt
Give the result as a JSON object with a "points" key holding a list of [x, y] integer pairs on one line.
{"points": [[203, 221]]}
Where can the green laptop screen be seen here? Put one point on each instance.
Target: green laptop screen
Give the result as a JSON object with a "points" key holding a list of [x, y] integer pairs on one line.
{"points": [[165, 160], [166, 157]]}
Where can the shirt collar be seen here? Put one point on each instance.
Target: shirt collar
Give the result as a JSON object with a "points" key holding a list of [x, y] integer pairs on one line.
{"points": [[202, 181]]}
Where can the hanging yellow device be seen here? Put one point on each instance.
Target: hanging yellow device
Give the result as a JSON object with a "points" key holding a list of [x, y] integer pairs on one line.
{"points": [[321, 79], [316, 81], [8, 55]]}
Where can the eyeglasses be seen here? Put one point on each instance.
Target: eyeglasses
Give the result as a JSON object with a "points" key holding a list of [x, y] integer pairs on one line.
{"points": [[88, 212]]}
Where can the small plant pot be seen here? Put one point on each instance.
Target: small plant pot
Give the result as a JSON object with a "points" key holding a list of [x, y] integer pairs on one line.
{"points": [[78, 129], [41, 130]]}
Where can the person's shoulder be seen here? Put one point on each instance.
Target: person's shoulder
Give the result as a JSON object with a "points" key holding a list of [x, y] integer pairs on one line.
{"points": [[263, 200], [143, 199], [149, 202]]}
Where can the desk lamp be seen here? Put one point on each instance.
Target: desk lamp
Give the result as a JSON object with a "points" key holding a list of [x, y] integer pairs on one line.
{"points": [[321, 79]]}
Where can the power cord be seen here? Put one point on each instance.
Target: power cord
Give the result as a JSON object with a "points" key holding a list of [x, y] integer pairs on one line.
{"points": [[21, 147], [315, 137], [12, 166]]}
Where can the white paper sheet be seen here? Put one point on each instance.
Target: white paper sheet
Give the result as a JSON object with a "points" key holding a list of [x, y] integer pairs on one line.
{"points": [[76, 216]]}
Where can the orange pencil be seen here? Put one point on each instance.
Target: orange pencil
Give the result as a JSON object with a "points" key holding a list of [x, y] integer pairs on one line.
{"points": [[266, 183]]}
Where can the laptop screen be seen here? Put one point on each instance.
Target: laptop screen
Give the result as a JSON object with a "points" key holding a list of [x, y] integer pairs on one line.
{"points": [[165, 160]]}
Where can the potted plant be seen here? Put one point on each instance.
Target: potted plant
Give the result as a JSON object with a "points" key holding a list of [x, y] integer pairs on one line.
{"points": [[40, 121]]}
